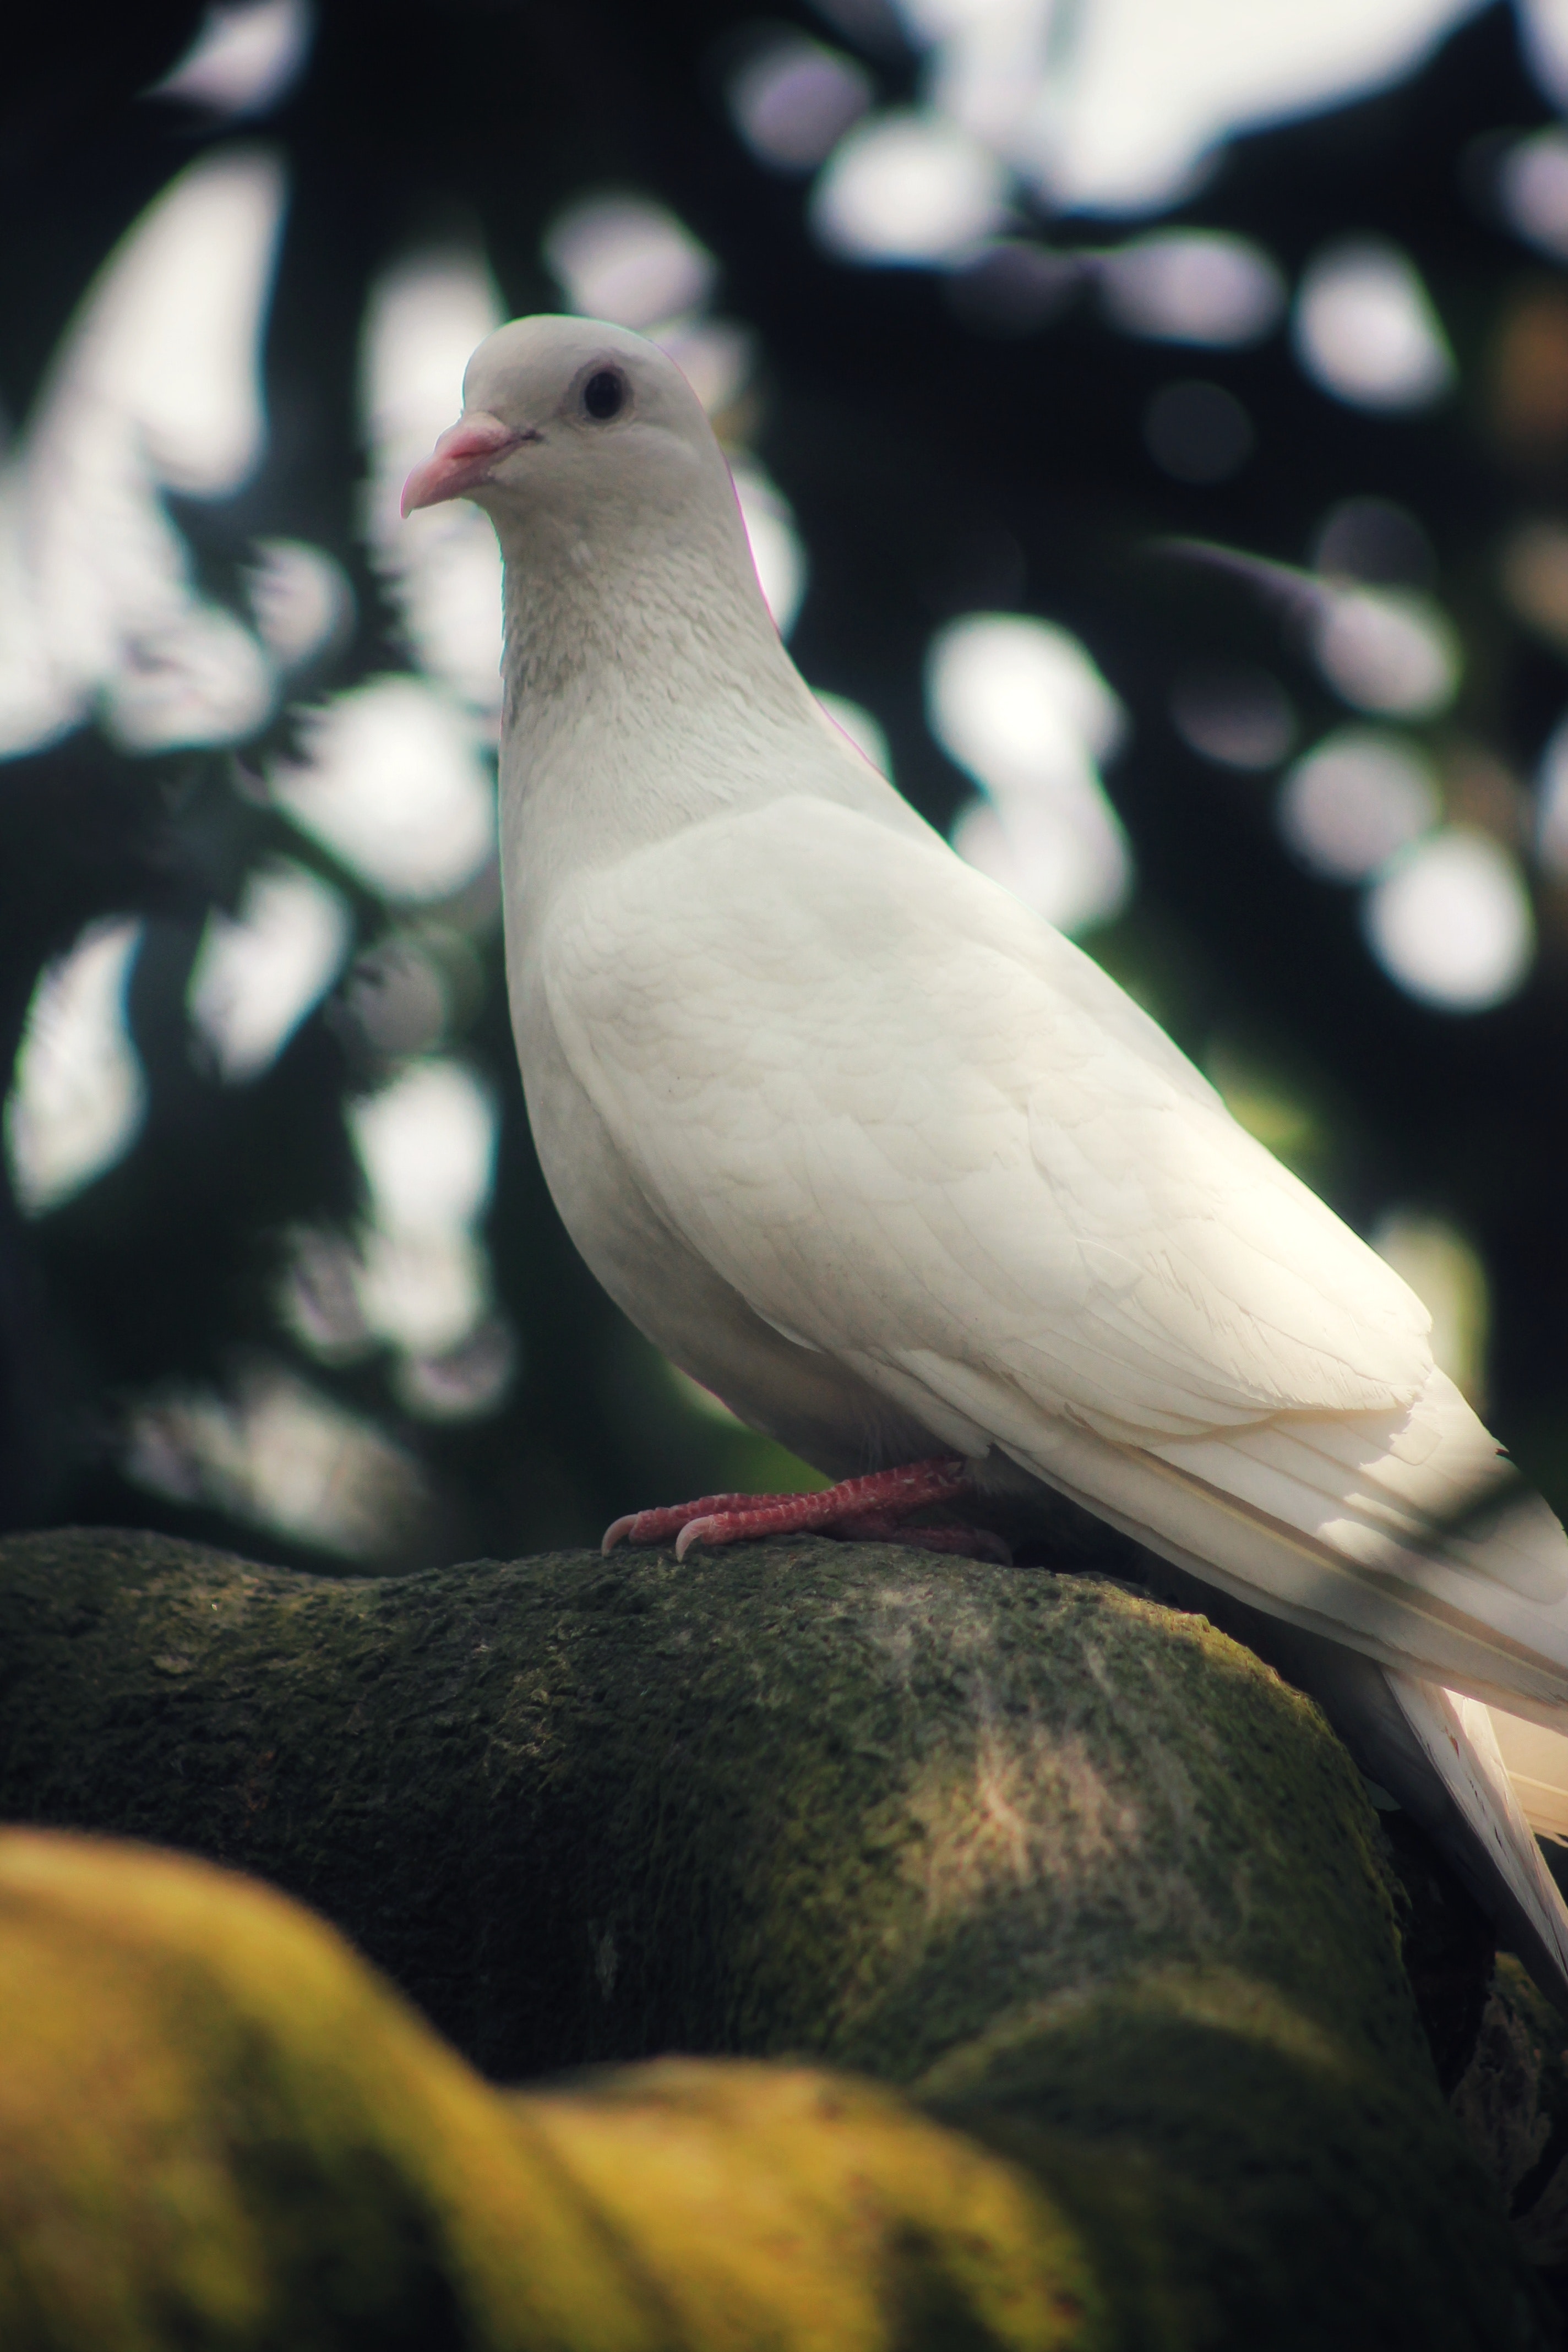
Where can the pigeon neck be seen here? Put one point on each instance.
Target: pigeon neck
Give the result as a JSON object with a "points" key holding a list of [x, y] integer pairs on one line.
{"points": [[678, 606], [643, 675]]}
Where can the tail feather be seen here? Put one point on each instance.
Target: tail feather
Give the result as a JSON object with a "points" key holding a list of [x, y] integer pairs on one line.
{"points": [[1536, 1763], [1409, 1493], [1409, 1536], [1457, 1736], [1435, 1625]]}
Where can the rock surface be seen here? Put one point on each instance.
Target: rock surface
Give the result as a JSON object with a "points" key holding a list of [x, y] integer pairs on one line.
{"points": [[1075, 1871], [219, 2129], [1512, 2103]]}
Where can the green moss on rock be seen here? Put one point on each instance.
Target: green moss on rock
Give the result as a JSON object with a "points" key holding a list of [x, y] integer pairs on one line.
{"points": [[218, 2131], [1511, 2103], [1076, 1867]]}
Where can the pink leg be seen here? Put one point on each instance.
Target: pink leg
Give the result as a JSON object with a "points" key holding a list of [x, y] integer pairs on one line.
{"points": [[871, 1509]]}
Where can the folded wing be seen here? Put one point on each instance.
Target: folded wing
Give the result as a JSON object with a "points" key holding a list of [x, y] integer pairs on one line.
{"points": [[918, 1130]]}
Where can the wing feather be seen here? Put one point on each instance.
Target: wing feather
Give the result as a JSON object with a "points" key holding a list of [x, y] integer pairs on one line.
{"points": [[919, 1133], [893, 1109]]}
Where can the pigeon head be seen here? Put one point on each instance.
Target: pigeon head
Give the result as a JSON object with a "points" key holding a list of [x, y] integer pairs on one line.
{"points": [[573, 417]]}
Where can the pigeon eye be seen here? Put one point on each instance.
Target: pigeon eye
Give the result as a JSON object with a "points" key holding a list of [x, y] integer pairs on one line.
{"points": [[605, 395]]}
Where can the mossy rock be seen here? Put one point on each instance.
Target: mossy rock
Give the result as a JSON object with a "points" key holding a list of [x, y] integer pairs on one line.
{"points": [[219, 2132], [1077, 1870], [1511, 2103]]}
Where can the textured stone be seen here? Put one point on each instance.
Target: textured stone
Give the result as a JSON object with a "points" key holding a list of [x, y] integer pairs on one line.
{"points": [[218, 2129], [1075, 1869], [1511, 2103]]}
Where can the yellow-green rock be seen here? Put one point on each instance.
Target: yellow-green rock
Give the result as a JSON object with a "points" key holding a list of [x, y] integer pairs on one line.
{"points": [[219, 2129]]}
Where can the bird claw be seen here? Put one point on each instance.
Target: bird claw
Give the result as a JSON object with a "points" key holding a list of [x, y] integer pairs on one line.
{"points": [[872, 1509], [657, 1526], [701, 1531]]}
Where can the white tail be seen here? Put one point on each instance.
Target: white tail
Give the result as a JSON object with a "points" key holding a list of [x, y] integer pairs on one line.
{"points": [[1537, 1761], [1460, 1741]]}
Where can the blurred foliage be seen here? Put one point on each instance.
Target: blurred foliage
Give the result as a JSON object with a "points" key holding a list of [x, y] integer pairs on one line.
{"points": [[934, 467]]}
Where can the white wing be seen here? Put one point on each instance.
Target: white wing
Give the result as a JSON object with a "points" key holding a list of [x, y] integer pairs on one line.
{"points": [[918, 1130], [898, 1112]]}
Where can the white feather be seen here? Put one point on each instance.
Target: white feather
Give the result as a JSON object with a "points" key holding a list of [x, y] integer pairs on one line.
{"points": [[915, 1130], [1457, 1737], [1536, 1762]]}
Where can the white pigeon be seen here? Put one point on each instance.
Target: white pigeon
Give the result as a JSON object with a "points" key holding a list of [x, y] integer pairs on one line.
{"points": [[874, 1153]]}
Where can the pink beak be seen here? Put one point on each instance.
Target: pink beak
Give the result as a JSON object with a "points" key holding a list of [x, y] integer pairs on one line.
{"points": [[460, 460]]}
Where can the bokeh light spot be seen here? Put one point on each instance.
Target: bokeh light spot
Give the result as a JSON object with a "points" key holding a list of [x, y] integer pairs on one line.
{"points": [[1234, 714], [907, 187], [442, 568], [1365, 329], [157, 387], [245, 59], [259, 973], [628, 259], [426, 1143], [1355, 800], [794, 98], [1387, 650], [1533, 187], [1021, 705], [1375, 541], [1125, 115], [1551, 803], [394, 783], [1192, 286], [301, 600], [1528, 376], [1533, 569], [79, 1098], [280, 1455], [199, 678], [1451, 922]]}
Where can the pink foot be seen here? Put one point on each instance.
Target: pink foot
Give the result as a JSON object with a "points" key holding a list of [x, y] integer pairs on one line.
{"points": [[869, 1510]]}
